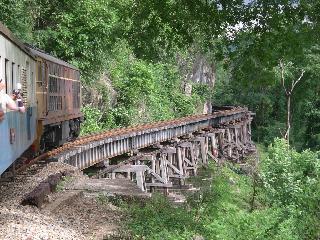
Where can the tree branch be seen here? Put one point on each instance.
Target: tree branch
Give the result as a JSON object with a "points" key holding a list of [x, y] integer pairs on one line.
{"points": [[294, 83], [282, 77]]}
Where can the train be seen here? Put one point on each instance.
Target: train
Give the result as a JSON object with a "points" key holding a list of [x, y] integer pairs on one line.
{"points": [[51, 93]]}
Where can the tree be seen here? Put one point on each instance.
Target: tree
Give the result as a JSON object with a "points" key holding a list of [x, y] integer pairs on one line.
{"points": [[288, 92], [274, 31]]}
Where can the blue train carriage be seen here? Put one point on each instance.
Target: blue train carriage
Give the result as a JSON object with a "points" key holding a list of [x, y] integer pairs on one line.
{"points": [[17, 130]]}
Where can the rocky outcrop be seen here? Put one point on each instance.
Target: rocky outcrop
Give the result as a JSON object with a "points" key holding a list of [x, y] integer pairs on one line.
{"points": [[201, 71]]}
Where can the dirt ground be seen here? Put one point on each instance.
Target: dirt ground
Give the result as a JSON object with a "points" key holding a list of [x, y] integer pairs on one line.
{"points": [[67, 215]]}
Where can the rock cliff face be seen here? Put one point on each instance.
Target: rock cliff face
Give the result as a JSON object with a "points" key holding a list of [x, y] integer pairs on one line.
{"points": [[202, 72]]}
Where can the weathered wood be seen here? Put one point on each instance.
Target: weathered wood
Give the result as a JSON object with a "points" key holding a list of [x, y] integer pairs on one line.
{"points": [[176, 170], [184, 144], [131, 168], [38, 196], [169, 150], [229, 142], [214, 158], [140, 180], [167, 185], [203, 152], [180, 160], [53, 181]]}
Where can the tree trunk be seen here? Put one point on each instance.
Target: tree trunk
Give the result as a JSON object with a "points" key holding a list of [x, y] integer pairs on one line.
{"points": [[287, 135]]}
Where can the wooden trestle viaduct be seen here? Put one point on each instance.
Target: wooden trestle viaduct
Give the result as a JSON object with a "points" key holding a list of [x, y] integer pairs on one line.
{"points": [[163, 154]]}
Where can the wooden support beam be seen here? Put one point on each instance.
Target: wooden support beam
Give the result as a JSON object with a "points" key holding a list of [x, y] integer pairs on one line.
{"points": [[213, 157], [203, 152], [168, 150], [165, 185], [180, 160], [157, 176], [131, 168], [140, 180], [229, 142], [185, 144], [176, 170]]}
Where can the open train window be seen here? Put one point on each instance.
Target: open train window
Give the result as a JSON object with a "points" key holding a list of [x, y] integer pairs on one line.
{"points": [[43, 72], [6, 75], [18, 73], [13, 76]]}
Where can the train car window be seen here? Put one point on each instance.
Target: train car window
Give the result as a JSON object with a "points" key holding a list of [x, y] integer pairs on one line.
{"points": [[18, 73], [6, 75], [76, 94], [23, 78], [60, 102], [55, 103], [39, 77], [13, 76], [58, 85], [43, 72], [53, 84]]}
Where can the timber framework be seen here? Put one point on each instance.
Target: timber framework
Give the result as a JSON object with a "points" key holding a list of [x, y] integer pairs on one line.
{"points": [[164, 154]]}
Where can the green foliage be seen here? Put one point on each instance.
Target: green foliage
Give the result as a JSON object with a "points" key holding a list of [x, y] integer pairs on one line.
{"points": [[17, 16], [287, 206], [158, 219], [92, 121], [146, 91], [313, 123], [61, 184], [80, 32], [291, 181]]}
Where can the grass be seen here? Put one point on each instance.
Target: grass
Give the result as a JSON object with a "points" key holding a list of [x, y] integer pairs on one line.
{"points": [[207, 213], [62, 183]]}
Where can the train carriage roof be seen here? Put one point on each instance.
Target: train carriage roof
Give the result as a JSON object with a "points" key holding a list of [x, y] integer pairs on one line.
{"points": [[30, 50], [48, 57], [9, 35]]}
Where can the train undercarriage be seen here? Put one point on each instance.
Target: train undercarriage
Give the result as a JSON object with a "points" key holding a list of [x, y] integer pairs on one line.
{"points": [[55, 135]]}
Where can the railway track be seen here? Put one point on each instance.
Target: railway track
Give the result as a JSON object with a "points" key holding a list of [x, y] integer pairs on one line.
{"points": [[183, 145], [121, 131]]}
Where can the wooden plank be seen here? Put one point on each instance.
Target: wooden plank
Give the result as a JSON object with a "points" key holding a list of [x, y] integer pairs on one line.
{"points": [[110, 168], [173, 167], [214, 158], [169, 150], [185, 144], [140, 180], [131, 168], [199, 139], [189, 162], [180, 161], [159, 185], [177, 176], [157, 176]]}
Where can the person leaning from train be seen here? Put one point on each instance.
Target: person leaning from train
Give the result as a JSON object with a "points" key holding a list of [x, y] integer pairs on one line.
{"points": [[9, 102]]}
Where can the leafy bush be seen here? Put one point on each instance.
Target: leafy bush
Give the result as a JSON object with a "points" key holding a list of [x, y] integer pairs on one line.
{"points": [[92, 121], [291, 181], [287, 204]]}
